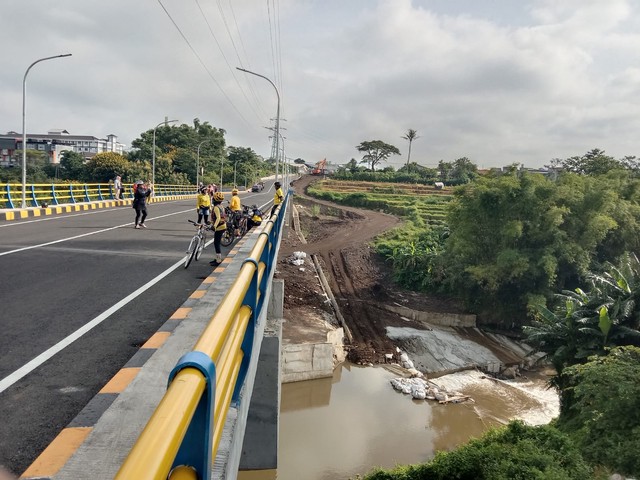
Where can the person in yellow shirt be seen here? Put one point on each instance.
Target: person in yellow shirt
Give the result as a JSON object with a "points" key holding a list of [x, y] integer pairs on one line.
{"points": [[218, 225], [203, 205], [236, 207], [278, 197]]}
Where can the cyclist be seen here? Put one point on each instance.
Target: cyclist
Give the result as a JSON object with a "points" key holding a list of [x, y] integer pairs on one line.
{"points": [[256, 217], [278, 197], [236, 208], [203, 205], [218, 226]]}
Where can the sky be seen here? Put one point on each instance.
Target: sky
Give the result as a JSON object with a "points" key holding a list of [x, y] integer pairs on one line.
{"points": [[497, 81]]}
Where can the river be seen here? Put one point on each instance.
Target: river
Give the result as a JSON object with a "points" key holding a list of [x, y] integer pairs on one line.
{"points": [[336, 428]]}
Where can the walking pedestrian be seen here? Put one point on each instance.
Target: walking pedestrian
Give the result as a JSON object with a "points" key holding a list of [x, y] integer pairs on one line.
{"points": [[203, 205], [117, 186], [141, 194], [219, 226]]}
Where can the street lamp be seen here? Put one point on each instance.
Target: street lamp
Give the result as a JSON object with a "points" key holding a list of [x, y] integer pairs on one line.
{"points": [[221, 171], [198, 161], [153, 161], [234, 174], [24, 125], [277, 149]]}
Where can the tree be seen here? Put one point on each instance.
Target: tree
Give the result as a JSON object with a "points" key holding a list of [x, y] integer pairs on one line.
{"points": [[463, 171], [376, 151], [594, 162], [38, 165], [517, 238], [411, 135], [105, 166], [599, 409], [567, 335], [72, 166], [182, 141], [245, 160], [587, 322]]}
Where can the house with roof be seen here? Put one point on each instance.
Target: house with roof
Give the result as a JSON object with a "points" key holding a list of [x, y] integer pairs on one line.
{"points": [[53, 143]]}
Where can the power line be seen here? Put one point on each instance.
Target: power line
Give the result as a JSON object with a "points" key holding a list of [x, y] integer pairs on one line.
{"points": [[203, 64], [225, 58], [273, 55], [244, 50]]}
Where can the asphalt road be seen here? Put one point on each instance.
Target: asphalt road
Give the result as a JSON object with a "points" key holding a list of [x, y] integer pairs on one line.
{"points": [[64, 273]]}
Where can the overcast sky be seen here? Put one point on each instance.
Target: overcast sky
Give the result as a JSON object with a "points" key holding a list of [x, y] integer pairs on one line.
{"points": [[497, 81]]}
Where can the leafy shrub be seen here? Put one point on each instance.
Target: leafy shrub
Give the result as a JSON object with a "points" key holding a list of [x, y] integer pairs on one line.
{"points": [[515, 452], [600, 409]]}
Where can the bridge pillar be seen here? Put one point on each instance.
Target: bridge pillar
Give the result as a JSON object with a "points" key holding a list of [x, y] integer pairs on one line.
{"points": [[260, 445]]}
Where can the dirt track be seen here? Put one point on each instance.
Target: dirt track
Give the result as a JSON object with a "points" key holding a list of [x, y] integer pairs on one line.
{"points": [[339, 236]]}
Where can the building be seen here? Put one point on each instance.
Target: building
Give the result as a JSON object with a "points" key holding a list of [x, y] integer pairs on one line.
{"points": [[53, 143]]}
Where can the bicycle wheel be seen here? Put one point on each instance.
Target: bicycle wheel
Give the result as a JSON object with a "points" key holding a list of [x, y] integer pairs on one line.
{"points": [[201, 244], [243, 226], [227, 238], [191, 251]]}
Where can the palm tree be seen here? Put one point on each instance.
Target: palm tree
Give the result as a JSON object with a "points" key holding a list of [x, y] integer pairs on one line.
{"points": [[411, 135]]}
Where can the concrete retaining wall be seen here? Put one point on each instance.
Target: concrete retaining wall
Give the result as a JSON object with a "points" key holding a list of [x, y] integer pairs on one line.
{"points": [[434, 318], [308, 361]]}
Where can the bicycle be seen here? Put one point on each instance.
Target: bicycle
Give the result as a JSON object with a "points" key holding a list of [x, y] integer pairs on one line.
{"points": [[229, 234], [243, 223], [197, 243], [234, 231]]}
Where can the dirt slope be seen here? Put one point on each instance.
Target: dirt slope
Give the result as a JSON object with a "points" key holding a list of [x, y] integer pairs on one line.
{"points": [[340, 237]]}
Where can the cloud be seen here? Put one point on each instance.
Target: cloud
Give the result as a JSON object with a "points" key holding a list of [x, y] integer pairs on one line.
{"points": [[495, 81]]}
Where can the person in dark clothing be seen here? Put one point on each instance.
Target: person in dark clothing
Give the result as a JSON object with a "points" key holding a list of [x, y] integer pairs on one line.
{"points": [[140, 195]]}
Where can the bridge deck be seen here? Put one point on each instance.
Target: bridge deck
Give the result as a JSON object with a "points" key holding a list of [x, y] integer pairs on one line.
{"points": [[97, 441]]}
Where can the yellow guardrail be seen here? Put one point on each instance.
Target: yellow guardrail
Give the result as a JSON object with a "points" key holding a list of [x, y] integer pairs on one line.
{"points": [[220, 355], [70, 193]]}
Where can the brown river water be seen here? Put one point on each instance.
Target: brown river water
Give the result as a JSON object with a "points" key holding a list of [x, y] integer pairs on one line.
{"points": [[336, 428]]}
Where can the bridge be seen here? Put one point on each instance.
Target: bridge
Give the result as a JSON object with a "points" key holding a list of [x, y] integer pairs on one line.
{"points": [[181, 406]]}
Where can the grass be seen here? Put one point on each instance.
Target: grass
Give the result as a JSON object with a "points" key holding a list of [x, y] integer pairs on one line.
{"points": [[422, 204]]}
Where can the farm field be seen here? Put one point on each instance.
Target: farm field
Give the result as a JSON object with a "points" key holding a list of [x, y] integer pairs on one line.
{"points": [[423, 203]]}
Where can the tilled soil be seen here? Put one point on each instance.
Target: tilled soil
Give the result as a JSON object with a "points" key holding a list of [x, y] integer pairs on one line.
{"points": [[359, 279]]}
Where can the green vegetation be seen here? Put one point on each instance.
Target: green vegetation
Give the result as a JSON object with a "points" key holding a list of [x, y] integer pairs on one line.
{"points": [[600, 409], [586, 322], [506, 244], [458, 172], [376, 151], [178, 150], [516, 452]]}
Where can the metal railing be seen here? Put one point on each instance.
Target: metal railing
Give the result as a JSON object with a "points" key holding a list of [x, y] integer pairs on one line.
{"points": [[52, 194], [182, 436]]}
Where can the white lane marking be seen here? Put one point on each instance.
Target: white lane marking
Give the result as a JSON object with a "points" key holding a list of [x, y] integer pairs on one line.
{"points": [[86, 234], [55, 217], [62, 217], [61, 345]]}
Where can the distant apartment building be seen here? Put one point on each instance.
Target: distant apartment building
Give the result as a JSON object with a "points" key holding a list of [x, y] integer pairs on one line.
{"points": [[53, 144]]}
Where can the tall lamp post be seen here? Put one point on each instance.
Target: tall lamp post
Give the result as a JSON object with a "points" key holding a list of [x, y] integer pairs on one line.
{"points": [[24, 125], [234, 174], [221, 171], [277, 149], [153, 153], [198, 161]]}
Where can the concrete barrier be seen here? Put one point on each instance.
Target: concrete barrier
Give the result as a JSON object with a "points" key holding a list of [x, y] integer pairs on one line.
{"points": [[434, 318]]}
